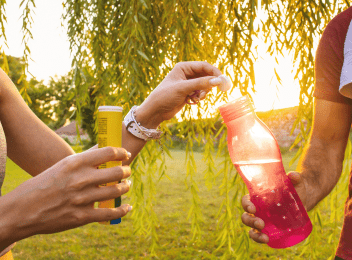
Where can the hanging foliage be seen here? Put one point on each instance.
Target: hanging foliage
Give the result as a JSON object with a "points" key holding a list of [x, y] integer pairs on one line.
{"points": [[130, 47]]}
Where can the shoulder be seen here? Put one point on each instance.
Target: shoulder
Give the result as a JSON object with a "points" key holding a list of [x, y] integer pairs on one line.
{"points": [[332, 42], [336, 30], [330, 58]]}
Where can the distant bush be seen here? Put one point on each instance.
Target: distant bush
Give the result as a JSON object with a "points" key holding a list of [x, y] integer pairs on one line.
{"points": [[180, 144]]}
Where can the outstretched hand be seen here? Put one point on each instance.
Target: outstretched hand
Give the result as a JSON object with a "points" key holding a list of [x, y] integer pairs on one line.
{"points": [[170, 96]]}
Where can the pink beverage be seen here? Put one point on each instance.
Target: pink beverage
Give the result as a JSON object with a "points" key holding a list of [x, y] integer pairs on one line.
{"points": [[256, 155]]}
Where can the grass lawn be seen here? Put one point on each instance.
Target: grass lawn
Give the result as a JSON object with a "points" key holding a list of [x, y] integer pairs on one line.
{"points": [[96, 241]]}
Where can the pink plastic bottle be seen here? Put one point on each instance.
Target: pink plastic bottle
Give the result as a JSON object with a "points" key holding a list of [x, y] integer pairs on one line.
{"points": [[256, 155]]}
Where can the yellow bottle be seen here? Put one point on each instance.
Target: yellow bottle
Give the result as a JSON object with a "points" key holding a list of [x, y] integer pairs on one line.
{"points": [[110, 134]]}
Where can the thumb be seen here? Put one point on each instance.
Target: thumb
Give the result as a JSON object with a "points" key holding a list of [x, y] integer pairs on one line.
{"points": [[295, 177], [93, 147], [202, 83]]}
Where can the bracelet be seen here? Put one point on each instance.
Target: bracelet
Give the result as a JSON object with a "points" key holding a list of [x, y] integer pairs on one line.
{"points": [[137, 130]]}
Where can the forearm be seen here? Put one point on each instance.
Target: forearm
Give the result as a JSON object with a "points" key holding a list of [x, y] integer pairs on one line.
{"points": [[36, 154], [30, 143], [134, 144], [321, 166]]}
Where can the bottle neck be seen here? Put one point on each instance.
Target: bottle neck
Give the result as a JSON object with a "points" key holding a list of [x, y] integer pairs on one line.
{"points": [[236, 109]]}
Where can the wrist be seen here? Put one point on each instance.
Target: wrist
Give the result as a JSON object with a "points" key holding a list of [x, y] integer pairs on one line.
{"points": [[8, 234], [147, 118], [314, 191]]}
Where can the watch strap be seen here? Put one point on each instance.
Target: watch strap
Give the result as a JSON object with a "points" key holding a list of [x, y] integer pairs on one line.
{"points": [[137, 130]]}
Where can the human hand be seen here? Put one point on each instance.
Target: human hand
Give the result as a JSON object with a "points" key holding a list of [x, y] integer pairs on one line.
{"points": [[63, 196], [257, 224], [170, 96]]}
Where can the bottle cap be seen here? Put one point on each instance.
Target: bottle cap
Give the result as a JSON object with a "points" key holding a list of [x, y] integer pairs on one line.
{"points": [[226, 83], [110, 108]]}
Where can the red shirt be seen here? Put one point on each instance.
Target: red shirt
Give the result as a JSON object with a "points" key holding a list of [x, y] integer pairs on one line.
{"points": [[333, 76]]}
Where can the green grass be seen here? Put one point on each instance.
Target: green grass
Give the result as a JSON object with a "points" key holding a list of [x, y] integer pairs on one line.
{"points": [[96, 241]]}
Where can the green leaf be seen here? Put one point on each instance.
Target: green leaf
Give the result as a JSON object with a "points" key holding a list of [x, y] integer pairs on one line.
{"points": [[143, 55], [296, 142], [277, 76], [251, 72], [319, 218], [297, 155]]}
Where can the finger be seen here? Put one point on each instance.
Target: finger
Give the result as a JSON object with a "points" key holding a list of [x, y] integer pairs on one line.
{"points": [[258, 237], [295, 177], [103, 193], [195, 100], [203, 83], [252, 221], [103, 176], [247, 204], [105, 214], [195, 69], [93, 147], [203, 94], [194, 94], [99, 156]]}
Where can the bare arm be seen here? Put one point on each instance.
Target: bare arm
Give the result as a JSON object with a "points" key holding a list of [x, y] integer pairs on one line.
{"points": [[321, 162], [34, 146], [30, 143]]}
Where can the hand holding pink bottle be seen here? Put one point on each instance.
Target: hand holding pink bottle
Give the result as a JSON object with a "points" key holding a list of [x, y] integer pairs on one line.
{"points": [[257, 224], [257, 158]]}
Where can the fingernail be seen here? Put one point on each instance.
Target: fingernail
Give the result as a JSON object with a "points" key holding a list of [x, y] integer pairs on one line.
{"points": [[250, 208], [129, 208], [202, 95], [226, 83], [129, 154], [215, 81]]}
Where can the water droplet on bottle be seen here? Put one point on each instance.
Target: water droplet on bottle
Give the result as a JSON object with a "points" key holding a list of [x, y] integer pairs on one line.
{"points": [[284, 217], [289, 229], [279, 204], [273, 191]]}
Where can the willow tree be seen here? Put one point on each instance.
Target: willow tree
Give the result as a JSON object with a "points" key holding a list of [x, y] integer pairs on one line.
{"points": [[132, 45]]}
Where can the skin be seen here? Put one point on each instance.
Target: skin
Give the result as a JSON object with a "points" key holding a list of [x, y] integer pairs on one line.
{"points": [[65, 185], [320, 166]]}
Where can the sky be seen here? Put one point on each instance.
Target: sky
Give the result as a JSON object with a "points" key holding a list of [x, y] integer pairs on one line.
{"points": [[51, 55], [270, 94], [49, 46]]}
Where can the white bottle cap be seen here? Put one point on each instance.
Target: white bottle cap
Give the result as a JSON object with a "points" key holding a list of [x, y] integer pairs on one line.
{"points": [[110, 108], [226, 83]]}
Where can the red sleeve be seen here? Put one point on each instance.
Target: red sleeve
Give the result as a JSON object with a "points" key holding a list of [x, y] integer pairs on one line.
{"points": [[329, 59]]}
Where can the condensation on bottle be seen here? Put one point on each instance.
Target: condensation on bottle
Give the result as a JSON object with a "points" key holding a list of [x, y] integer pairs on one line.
{"points": [[256, 155]]}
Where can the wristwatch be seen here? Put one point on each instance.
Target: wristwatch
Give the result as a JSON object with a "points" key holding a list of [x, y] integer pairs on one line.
{"points": [[137, 130]]}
